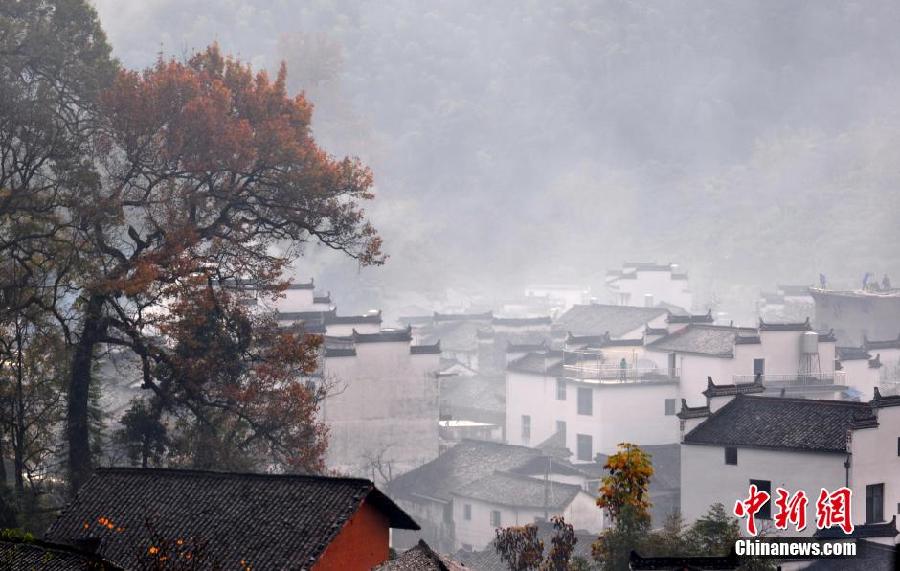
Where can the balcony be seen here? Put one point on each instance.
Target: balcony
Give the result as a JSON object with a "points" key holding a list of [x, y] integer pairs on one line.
{"points": [[613, 375], [838, 378]]}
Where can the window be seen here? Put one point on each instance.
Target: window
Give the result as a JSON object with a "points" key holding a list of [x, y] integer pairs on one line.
{"points": [[874, 503], [560, 389], [670, 407], [561, 429], [731, 455], [526, 427], [765, 512], [495, 518], [586, 401], [448, 513], [898, 446], [759, 367], [467, 511], [585, 445]]}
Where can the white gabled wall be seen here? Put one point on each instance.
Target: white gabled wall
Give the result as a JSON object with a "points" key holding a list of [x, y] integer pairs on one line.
{"points": [[876, 460], [706, 479], [384, 401]]}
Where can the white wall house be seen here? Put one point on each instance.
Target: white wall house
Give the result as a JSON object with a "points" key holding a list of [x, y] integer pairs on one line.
{"points": [[642, 284], [382, 408], [503, 499], [888, 353], [787, 356], [592, 407], [490, 477], [795, 444]]}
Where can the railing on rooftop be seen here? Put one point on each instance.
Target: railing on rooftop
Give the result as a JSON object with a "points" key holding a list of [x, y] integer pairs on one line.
{"points": [[797, 380], [611, 374]]}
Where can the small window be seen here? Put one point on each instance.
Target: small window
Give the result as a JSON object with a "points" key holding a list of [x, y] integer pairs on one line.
{"points": [[765, 512], [495, 518], [731, 455], [526, 427], [448, 513], [759, 367], [560, 389], [874, 503], [585, 445], [561, 429], [586, 401], [467, 511], [670, 407]]}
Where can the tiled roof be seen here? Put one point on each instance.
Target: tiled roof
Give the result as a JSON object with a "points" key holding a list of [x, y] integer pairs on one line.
{"points": [[525, 347], [384, 336], [466, 462], [434, 349], [597, 319], [702, 318], [648, 266], [861, 531], [486, 316], [801, 326], [272, 521], [539, 465], [693, 562], [340, 352], [656, 331], [827, 336], [538, 363], [328, 317], [476, 398], [781, 423], [886, 344], [713, 390], [22, 555], [884, 401], [687, 412], [322, 298], [711, 340], [521, 321], [505, 488], [310, 285], [852, 353], [421, 558]]}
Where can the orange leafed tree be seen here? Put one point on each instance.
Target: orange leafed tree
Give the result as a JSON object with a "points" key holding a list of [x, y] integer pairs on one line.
{"points": [[203, 167]]}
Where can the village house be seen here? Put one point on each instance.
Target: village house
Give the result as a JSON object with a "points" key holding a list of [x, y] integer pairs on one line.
{"points": [[858, 314], [28, 554], [421, 557], [617, 321], [646, 284], [262, 521], [787, 356], [794, 444], [438, 492], [381, 406], [586, 398]]}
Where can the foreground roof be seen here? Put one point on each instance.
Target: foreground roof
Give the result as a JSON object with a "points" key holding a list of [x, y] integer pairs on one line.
{"points": [[421, 558], [273, 521], [27, 555], [781, 423], [466, 462], [597, 319]]}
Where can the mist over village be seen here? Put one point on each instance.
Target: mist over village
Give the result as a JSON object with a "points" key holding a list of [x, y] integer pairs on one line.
{"points": [[351, 285]]}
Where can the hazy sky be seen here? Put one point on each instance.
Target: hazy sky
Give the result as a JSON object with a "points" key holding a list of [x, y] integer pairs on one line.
{"points": [[518, 141]]}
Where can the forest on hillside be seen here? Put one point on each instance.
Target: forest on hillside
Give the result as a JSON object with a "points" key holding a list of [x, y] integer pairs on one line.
{"points": [[752, 142]]}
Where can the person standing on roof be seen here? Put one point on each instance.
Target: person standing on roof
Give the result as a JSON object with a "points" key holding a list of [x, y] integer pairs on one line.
{"points": [[623, 366]]}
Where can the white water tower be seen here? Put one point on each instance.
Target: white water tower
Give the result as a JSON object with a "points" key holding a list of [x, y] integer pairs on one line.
{"points": [[810, 365]]}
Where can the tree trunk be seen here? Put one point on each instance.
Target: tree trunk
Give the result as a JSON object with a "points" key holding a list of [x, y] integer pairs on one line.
{"points": [[19, 415], [77, 420]]}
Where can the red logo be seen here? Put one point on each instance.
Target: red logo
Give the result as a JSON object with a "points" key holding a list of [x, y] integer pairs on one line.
{"points": [[832, 509]]}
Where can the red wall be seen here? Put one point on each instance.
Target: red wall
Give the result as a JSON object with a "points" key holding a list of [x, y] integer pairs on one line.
{"points": [[361, 544]]}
